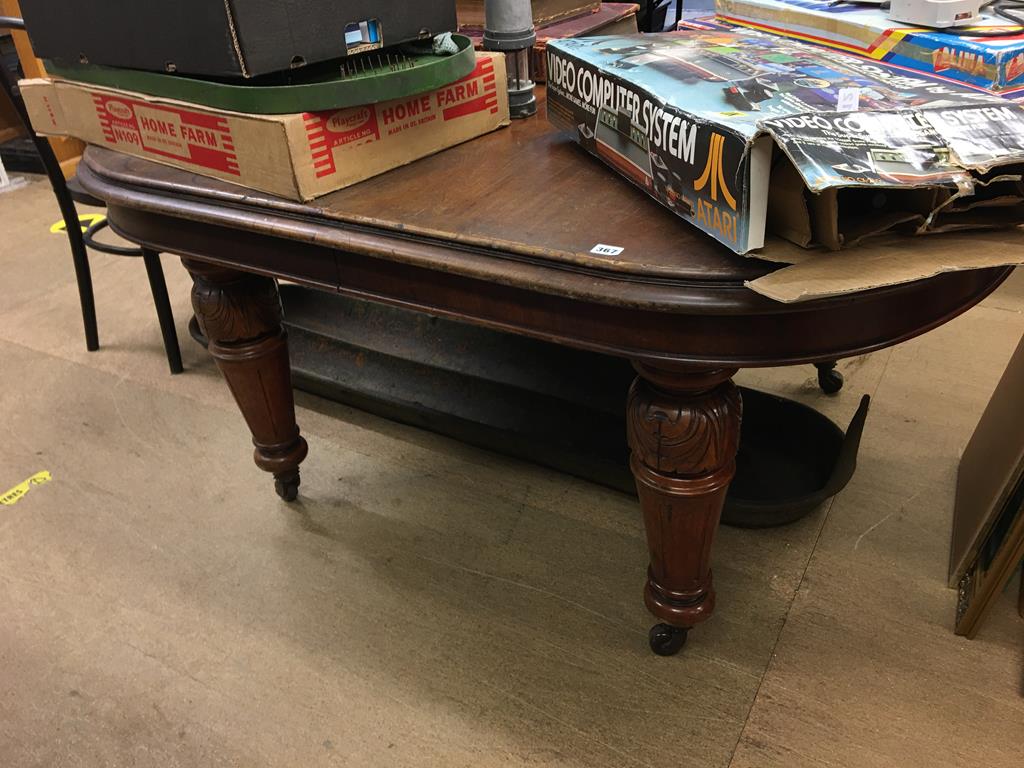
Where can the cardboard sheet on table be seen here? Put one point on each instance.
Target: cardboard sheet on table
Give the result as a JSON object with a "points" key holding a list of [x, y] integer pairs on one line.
{"points": [[813, 274]]}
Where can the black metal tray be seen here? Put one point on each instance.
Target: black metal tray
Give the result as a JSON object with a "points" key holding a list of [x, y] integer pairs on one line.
{"points": [[558, 407]]}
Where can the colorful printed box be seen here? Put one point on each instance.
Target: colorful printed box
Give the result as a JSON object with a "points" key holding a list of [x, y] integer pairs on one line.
{"points": [[994, 63], [745, 134]]}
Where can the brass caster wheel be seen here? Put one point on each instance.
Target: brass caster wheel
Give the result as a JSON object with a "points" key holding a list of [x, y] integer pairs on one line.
{"points": [[667, 640], [829, 379], [287, 486]]}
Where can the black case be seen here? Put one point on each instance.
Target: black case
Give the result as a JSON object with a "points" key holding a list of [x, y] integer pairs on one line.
{"points": [[220, 38]]}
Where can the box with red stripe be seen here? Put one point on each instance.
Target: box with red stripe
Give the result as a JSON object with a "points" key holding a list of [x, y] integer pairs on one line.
{"points": [[298, 156], [339, 139], [166, 131]]}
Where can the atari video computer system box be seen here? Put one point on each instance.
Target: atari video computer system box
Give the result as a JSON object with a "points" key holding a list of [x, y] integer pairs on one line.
{"points": [[743, 134], [212, 38], [298, 156]]}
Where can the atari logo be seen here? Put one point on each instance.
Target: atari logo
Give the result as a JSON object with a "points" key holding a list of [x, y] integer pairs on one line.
{"points": [[713, 172]]}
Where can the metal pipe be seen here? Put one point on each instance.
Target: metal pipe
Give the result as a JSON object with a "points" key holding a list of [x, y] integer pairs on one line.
{"points": [[508, 27]]}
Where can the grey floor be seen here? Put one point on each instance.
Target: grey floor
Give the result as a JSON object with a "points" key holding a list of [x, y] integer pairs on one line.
{"points": [[429, 604]]}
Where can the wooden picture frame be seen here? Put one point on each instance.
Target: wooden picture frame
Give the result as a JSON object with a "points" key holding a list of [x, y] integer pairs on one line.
{"points": [[998, 557]]}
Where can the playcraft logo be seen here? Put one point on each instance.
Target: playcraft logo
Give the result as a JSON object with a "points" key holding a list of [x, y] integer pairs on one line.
{"points": [[120, 110]]}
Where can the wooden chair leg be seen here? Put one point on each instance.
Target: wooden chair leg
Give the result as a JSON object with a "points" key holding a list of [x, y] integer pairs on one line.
{"points": [[158, 286]]}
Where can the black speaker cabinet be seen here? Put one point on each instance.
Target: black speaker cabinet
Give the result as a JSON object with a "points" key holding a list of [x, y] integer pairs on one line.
{"points": [[225, 38]]}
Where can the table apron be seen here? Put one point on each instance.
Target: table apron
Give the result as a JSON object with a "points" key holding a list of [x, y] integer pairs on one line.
{"points": [[756, 339]]}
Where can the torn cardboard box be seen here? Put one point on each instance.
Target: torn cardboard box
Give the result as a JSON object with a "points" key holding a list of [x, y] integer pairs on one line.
{"points": [[298, 156], [743, 134]]}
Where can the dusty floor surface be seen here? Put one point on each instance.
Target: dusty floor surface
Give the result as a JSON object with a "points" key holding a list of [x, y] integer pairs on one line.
{"points": [[430, 604]]}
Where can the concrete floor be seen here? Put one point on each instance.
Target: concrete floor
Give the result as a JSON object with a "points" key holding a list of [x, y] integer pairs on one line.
{"points": [[429, 604]]}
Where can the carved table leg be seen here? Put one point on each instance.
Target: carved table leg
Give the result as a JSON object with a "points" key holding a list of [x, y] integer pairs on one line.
{"points": [[683, 427], [240, 314]]}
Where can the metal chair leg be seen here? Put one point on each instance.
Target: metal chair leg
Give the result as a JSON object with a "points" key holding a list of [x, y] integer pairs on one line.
{"points": [[68, 212], [83, 275], [158, 286]]}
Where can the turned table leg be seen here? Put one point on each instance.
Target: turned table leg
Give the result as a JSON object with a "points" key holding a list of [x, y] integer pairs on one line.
{"points": [[240, 314], [683, 427]]}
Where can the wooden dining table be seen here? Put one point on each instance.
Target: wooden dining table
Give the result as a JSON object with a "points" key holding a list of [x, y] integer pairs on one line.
{"points": [[523, 232]]}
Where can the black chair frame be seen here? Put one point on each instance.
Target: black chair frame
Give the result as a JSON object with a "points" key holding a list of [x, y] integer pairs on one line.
{"points": [[67, 193]]}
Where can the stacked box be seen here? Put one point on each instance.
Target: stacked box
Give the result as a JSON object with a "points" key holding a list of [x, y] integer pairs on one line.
{"points": [[299, 156], [993, 63]]}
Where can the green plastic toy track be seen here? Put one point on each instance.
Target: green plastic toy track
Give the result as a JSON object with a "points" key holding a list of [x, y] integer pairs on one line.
{"points": [[367, 79]]}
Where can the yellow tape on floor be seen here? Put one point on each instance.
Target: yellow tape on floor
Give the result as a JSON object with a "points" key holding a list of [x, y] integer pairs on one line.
{"points": [[86, 220], [16, 493]]}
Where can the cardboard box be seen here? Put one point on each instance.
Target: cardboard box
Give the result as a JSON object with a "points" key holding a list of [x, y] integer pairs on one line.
{"points": [[297, 156], [471, 12], [217, 38], [991, 63], [742, 133]]}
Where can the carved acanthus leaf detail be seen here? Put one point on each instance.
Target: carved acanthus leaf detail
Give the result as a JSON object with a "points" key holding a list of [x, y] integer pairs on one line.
{"points": [[243, 309], [684, 436]]}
